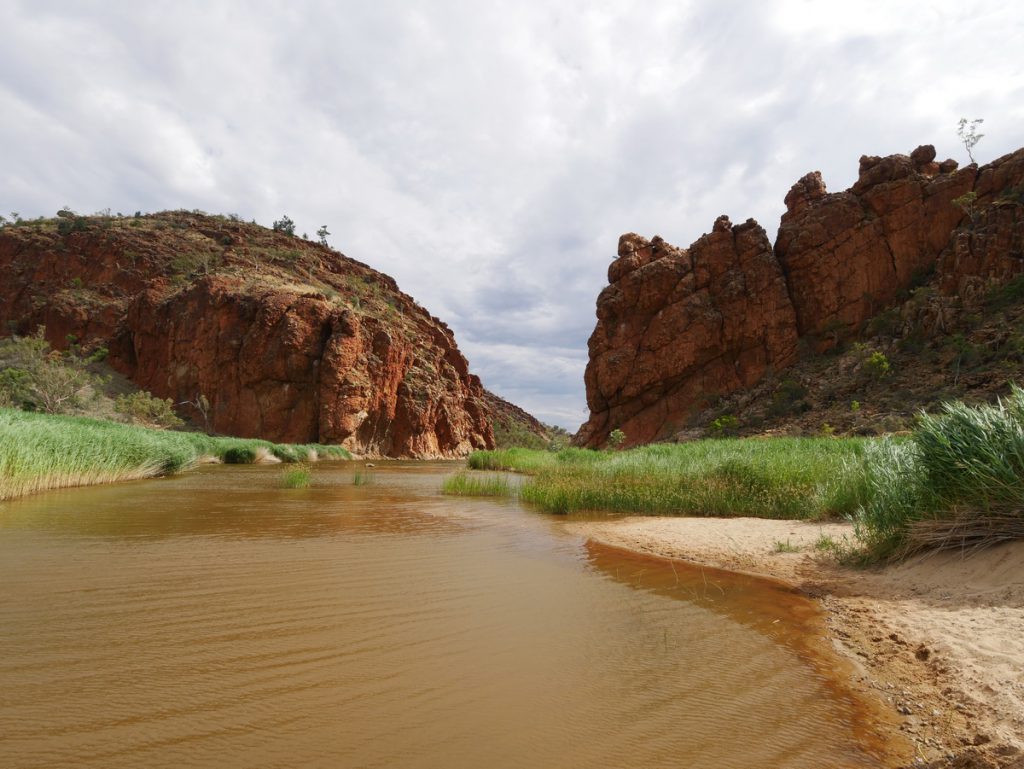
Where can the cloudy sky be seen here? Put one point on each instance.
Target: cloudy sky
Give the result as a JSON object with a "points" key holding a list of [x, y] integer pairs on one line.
{"points": [[487, 155]]}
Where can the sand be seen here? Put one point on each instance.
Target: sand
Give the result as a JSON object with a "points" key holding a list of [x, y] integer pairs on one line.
{"points": [[939, 639]]}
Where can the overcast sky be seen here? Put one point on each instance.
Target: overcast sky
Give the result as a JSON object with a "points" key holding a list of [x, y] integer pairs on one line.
{"points": [[487, 155]]}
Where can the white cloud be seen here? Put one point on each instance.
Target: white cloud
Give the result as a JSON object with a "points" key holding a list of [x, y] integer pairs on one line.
{"points": [[488, 155]]}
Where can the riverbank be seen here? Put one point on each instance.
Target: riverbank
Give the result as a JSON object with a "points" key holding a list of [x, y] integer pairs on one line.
{"points": [[44, 451], [939, 638]]}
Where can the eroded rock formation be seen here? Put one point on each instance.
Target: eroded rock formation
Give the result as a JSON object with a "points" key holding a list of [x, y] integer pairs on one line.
{"points": [[678, 328], [286, 340]]}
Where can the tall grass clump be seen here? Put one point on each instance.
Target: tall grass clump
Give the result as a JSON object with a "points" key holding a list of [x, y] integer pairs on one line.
{"points": [[297, 477], [521, 460], [779, 478], [896, 495], [776, 478], [958, 481], [468, 485], [44, 451]]}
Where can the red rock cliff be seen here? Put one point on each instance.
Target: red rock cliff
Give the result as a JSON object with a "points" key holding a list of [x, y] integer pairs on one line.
{"points": [[678, 328], [287, 340]]}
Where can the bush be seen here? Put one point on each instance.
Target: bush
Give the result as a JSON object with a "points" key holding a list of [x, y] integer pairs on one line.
{"points": [[788, 399], [74, 224], [239, 455], [35, 378], [877, 365], [724, 425], [142, 408], [616, 438], [285, 225], [1006, 295]]}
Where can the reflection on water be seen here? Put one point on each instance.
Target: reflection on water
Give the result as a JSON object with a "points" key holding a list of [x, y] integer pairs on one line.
{"points": [[218, 620], [240, 501]]}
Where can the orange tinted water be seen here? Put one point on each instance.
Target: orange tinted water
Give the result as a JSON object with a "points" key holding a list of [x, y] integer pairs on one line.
{"points": [[218, 620]]}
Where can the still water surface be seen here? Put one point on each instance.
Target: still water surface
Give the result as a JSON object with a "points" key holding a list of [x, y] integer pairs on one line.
{"points": [[215, 619]]}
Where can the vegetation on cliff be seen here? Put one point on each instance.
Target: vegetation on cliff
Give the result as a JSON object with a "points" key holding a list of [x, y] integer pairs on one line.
{"points": [[514, 427], [43, 451], [35, 377]]}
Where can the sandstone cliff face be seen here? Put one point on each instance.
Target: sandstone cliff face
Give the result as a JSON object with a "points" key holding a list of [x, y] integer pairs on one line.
{"points": [[287, 340], [679, 327]]}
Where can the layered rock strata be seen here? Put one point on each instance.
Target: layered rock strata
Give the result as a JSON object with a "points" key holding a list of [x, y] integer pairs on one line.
{"points": [[678, 328]]}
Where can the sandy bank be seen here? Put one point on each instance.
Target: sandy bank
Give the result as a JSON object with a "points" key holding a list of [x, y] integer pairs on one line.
{"points": [[939, 638]]}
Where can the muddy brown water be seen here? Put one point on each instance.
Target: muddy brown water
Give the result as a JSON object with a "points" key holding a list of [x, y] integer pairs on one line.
{"points": [[215, 619]]}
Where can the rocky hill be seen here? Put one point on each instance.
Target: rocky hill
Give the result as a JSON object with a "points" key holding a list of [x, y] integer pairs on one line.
{"points": [[253, 332], [901, 268], [515, 427]]}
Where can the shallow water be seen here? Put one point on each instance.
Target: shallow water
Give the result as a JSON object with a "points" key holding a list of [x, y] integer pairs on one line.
{"points": [[216, 619]]}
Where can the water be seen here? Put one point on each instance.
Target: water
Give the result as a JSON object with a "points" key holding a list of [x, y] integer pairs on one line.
{"points": [[216, 619]]}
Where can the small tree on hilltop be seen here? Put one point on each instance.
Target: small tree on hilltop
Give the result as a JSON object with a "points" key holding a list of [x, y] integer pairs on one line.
{"points": [[967, 130], [285, 225], [322, 233]]}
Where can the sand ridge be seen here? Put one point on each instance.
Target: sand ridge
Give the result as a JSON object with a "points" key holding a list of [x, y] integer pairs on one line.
{"points": [[939, 638]]}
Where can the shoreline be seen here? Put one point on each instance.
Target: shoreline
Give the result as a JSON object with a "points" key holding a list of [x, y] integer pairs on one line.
{"points": [[936, 641]]}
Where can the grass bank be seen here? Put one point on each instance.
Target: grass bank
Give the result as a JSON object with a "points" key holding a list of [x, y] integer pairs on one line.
{"points": [[40, 451], [957, 481], [806, 478]]}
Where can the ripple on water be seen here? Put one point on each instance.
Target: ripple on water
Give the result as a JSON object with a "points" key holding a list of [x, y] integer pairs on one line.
{"points": [[217, 620]]}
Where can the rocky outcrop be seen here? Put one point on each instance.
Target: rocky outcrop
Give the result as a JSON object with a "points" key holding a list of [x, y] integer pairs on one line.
{"points": [[285, 339], [989, 248], [677, 328], [848, 255]]}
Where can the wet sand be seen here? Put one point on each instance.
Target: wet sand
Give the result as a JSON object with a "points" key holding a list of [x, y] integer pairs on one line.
{"points": [[939, 638]]}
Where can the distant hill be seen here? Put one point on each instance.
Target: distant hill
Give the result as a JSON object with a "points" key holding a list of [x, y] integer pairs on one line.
{"points": [[514, 427]]}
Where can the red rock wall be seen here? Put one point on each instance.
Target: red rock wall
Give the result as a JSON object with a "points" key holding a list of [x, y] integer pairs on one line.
{"points": [[679, 327], [275, 357], [848, 255]]}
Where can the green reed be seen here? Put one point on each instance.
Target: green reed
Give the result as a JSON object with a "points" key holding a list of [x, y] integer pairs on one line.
{"points": [[41, 451]]}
